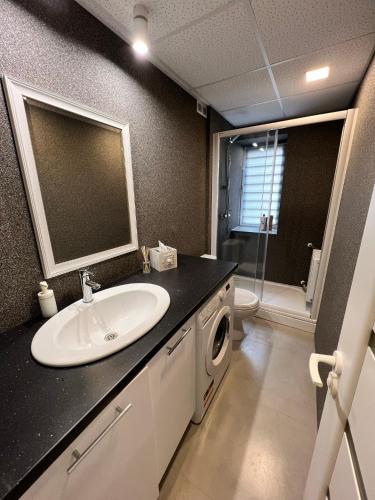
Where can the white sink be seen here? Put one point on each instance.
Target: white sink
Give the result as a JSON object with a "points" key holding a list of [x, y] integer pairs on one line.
{"points": [[116, 317]]}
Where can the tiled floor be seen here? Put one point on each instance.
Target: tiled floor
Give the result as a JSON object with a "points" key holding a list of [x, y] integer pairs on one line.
{"points": [[256, 440]]}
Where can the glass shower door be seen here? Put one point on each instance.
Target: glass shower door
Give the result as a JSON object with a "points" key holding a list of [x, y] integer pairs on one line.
{"points": [[246, 200], [262, 196]]}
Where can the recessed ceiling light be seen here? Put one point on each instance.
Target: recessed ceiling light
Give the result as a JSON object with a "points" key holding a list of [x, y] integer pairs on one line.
{"points": [[254, 144], [261, 149], [317, 74]]}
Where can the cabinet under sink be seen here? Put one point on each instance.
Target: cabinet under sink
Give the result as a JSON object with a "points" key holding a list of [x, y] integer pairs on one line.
{"points": [[172, 382], [124, 452], [109, 456]]}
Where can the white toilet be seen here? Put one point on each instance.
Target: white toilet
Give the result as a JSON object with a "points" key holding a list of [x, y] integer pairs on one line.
{"points": [[246, 305]]}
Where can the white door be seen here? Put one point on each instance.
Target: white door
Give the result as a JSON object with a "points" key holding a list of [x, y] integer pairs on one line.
{"points": [[352, 346]]}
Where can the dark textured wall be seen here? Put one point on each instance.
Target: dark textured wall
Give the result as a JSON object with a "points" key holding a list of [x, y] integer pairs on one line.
{"points": [[353, 210], [225, 225], [237, 154], [58, 46], [216, 123], [311, 156]]}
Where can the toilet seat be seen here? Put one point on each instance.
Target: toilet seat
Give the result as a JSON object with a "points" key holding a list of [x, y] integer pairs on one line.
{"points": [[244, 300]]}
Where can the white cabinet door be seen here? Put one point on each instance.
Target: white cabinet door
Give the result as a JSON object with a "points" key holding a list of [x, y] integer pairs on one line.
{"points": [[344, 482], [113, 458], [172, 378]]}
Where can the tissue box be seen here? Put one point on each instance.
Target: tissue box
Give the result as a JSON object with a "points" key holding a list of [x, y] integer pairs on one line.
{"points": [[162, 260]]}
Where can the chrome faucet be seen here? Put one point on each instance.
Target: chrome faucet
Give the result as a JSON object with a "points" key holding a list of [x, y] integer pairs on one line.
{"points": [[87, 285]]}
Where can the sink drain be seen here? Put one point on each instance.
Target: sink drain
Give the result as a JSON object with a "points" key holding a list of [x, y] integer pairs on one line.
{"points": [[110, 336]]}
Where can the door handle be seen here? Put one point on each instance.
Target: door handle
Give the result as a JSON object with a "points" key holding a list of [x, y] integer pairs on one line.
{"points": [[335, 361], [81, 456], [171, 349]]}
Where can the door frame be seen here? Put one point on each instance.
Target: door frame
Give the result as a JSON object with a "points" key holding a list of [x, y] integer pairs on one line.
{"points": [[349, 116], [354, 338]]}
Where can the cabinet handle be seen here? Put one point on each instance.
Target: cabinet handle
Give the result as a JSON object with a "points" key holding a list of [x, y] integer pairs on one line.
{"points": [[79, 457], [171, 349]]}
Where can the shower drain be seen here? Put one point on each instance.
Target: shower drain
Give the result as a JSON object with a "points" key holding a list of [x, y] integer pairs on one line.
{"points": [[110, 336]]}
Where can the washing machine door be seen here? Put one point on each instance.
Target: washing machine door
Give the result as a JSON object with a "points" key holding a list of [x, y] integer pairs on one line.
{"points": [[219, 340]]}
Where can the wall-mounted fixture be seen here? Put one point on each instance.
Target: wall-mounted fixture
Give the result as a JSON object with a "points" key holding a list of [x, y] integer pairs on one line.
{"points": [[140, 32], [76, 165], [317, 74], [232, 140], [202, 109]]}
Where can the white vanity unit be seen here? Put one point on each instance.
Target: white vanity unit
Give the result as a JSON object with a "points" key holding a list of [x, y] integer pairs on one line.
{"points": [[172, 382], [124, 452]]}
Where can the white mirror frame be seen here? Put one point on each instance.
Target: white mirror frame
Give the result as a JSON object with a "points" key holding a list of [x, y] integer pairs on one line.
{"points": [[15, 92]]}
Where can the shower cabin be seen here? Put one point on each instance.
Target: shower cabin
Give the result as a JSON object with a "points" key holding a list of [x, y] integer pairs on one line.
{"points": [[276, 190]]}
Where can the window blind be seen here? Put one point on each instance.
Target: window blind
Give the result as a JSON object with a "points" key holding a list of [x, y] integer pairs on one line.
{"points": [[261, 186]]}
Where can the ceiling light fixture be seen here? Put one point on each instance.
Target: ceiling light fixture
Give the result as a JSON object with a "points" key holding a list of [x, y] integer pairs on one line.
{"points": [[254, 144], [317, 74], [140, 32], [261, 149]]}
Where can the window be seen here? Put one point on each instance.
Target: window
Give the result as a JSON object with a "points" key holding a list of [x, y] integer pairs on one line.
{"points": [[261, 187]]}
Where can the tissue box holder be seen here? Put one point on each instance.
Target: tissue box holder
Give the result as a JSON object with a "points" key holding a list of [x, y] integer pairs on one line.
{"points": [[162, 261]]}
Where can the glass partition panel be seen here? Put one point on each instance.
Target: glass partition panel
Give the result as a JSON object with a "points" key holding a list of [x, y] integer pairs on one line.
{"points": [[249, 197]]}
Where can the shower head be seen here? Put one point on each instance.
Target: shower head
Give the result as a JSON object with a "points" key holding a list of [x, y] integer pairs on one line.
{"points": [[233, 139]]}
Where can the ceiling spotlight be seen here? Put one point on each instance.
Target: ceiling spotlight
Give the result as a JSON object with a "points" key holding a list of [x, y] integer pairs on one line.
{"points": [[140, 32], [140, 47], [254, 144], [317, 74], [261, 149]]}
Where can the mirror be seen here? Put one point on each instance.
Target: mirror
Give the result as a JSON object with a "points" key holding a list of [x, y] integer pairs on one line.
{"points": [[77, 171]]}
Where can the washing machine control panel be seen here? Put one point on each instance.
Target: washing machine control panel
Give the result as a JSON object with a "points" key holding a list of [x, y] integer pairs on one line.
{"points": [[215, 303], [210, 308]]}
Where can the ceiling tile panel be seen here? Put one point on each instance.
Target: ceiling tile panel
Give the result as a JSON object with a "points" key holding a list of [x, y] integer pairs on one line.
{"points": [[291, 28], [347, 61], [249, 115], [165, 16], [321, 101], [251, 88], [218, 47], [211, 48]]}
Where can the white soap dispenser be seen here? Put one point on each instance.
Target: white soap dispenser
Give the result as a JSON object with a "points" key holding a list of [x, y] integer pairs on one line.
{"points": [[47, 300]]}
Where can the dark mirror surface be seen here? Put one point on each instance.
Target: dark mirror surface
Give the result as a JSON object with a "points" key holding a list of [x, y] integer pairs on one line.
{"points": [[80, 165]]}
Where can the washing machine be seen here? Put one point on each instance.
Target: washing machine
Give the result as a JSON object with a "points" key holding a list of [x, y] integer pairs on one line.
{"points": [[213, 346]]}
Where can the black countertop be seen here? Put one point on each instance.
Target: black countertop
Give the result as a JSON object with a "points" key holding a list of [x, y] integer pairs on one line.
{"points": [[44, 409]]}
